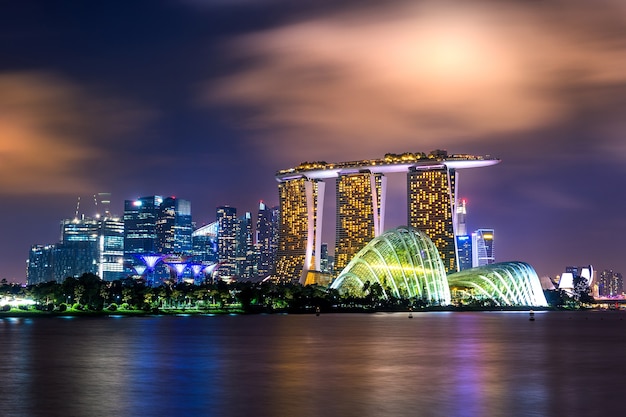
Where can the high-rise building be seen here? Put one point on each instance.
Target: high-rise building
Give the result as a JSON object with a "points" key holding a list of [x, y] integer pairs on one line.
{"points": [[78, 252], [464, 250], [173, 227], [610, 284], [301, 211], [246, 268], [266, 239], [111, 248], [431, 197], [482, 247], [227, 233], [360, 213], [140, 235], [40, 264], [325, 264], [463, 240], [204, 243], [431, 186]]}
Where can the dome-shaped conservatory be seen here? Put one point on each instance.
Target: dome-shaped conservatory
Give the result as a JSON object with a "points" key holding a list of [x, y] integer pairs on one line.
{"points": [[507, 283], [404, 261]]}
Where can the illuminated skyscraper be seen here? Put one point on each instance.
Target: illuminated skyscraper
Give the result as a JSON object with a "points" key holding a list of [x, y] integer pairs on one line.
{"points": [[431, 197], [482, 247], [140, 237], [173, 227], [266, 239], [245, 248], [111, 248], [204, 242], [301, 210], [227, 233], [360, 213], [463, 240]]}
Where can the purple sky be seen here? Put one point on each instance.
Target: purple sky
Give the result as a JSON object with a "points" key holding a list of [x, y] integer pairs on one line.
{"points": [[206, 100]]}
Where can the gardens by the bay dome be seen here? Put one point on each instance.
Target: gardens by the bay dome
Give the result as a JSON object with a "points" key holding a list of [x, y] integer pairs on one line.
{"points": [[406, 264]]}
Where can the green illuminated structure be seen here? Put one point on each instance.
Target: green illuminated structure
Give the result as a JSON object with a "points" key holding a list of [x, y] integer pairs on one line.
{"points": [[406, 264], [506, 283]]}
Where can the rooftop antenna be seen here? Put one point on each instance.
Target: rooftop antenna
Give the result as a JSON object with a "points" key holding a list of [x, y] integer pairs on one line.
{"points": [[77, 208]]}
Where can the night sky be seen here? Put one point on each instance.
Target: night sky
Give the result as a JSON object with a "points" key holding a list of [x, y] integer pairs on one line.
{"points": [[206, 100]]}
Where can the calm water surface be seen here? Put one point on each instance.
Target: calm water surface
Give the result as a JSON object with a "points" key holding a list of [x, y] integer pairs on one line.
{"points": [[436, 364]]}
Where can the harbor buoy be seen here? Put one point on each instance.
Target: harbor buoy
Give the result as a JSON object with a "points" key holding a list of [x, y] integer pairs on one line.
{"points": [[532, 316]]}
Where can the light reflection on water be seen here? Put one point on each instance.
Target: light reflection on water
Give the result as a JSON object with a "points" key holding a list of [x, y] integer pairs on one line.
{"points": [[436, 364]]}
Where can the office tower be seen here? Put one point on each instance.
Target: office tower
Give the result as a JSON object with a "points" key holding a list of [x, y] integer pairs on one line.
{"points": [[245, 249], [78, 251], [301, 211], [431, 197], [227, 233], [266, 239], [40, 264], [610, 284], [464, 251], [463, 240], [324, 260], [360, 213], [461, 213], [482, 247], [111, 248], [140, 217], [204, 244], [173, 227]]}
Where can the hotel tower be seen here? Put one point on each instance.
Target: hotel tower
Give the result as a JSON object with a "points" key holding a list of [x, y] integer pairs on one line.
{"points": [[360, 212]]}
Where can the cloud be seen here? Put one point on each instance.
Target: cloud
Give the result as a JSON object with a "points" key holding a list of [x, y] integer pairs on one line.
{"points": [[53, 132], [416, 77]]}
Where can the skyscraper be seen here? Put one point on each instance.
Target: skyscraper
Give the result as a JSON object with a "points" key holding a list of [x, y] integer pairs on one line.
{"points": [[266, 239], [360, 213], [204, 242], [78, 251], [140, 236], [482, 247], [301, 210], [245, 248], [173, 227], [463, 240], [431, 197], [227, 233], [111, 248]]}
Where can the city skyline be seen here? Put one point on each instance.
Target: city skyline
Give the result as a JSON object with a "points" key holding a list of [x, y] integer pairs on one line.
{"points": [[205, 100]]}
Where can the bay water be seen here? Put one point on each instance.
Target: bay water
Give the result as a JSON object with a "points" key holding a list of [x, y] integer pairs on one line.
{"points": [[382, 364]]}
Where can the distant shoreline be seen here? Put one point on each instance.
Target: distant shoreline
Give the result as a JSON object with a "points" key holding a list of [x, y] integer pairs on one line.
{"points": [[237, 311]]}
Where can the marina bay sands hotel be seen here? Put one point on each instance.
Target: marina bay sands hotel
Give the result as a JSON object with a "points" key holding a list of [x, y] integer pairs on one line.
{"points": [[361, 200]]}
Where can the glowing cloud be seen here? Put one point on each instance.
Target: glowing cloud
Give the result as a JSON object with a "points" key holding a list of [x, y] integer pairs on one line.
{"points": [[426, 72], [51, 130]]}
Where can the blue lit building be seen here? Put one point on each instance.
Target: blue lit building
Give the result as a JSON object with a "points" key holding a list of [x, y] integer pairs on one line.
{"points": [[482, 248], [173, 227], [140, 217]]}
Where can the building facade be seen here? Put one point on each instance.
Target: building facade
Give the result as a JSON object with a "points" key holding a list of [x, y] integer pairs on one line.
{"points": [[301, 212], [266, 241], [360, 213], [431, 208], [482, 248]]}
